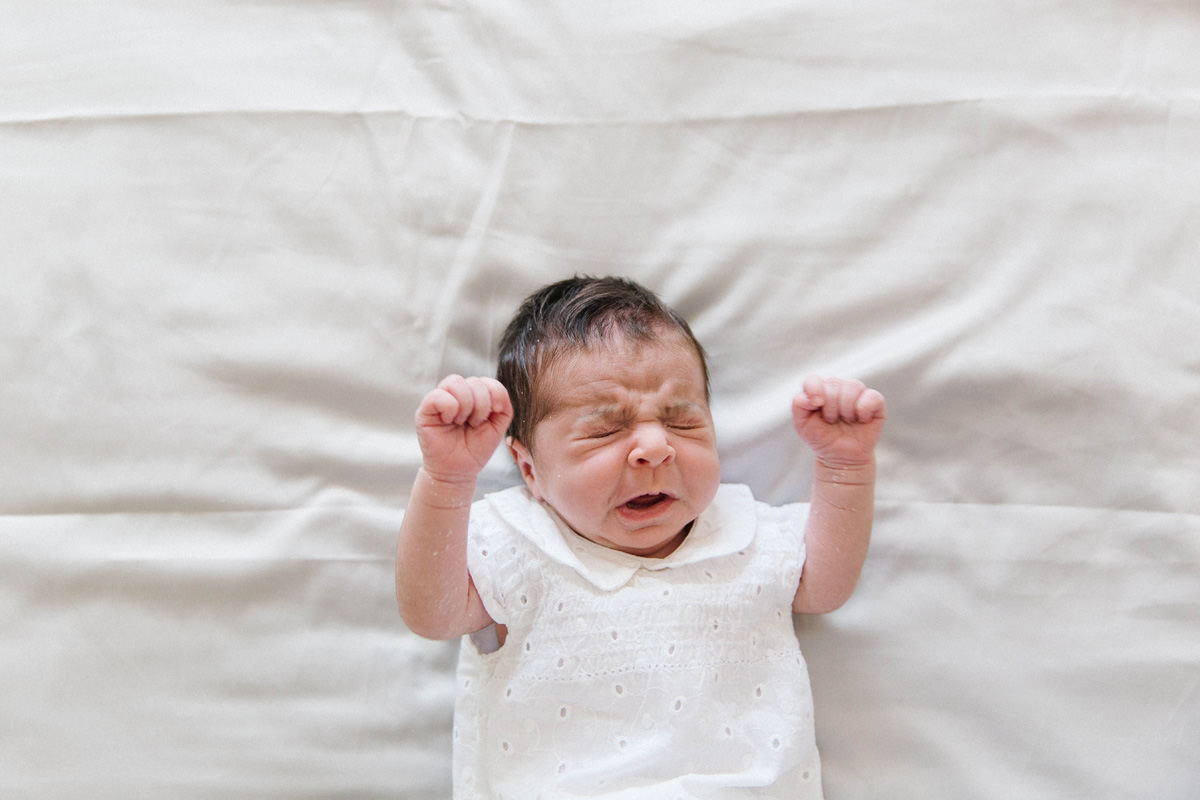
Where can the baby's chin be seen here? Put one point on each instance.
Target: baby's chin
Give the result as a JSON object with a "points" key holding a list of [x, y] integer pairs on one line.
{"points": [[653, 544]]}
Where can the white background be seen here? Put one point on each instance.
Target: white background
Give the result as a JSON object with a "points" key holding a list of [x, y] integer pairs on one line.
{"points": [[240, 240]]}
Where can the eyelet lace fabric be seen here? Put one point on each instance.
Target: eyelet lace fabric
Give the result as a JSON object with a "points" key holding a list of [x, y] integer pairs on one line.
{"points": [[626, 677]]}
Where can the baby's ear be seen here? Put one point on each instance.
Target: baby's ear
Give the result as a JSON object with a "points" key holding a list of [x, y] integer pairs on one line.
{"points": [[524, 461]]}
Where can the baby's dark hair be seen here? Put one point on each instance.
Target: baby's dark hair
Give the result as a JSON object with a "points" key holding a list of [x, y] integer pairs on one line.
{"points": [[570, 315]]}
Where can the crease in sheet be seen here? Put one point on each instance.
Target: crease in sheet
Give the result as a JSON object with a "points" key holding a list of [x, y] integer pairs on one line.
{"points": [[1048, 99], [466, 254]]}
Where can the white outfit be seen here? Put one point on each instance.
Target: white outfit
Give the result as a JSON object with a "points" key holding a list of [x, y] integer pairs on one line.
{"points": [[627, 677]]}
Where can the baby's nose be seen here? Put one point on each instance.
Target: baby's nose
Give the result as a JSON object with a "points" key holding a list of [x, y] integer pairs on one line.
{"points": [[651, 448]]}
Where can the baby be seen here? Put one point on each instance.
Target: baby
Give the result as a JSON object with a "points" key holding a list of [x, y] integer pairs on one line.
{"points": [[630, 614]]}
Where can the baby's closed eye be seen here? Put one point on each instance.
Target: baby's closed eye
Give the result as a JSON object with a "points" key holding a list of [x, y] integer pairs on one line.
{"points": [[685, 422]]}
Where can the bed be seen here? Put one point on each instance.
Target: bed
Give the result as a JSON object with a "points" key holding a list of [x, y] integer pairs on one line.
{"points": [[243, 239]]}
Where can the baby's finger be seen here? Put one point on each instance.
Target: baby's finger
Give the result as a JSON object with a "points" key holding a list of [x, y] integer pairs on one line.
{"points": [[481, 402], [848, 393], [870, 405], [439, 407], [832, 410], [458, 388], [501, 403], [811, 396]]}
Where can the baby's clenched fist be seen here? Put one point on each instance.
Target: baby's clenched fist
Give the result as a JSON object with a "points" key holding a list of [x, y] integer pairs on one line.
{"points": [[840, 419], [460, 424]]}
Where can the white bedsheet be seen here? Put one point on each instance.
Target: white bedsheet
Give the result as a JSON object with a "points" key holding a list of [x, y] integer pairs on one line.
{"points": [[242, 239]]}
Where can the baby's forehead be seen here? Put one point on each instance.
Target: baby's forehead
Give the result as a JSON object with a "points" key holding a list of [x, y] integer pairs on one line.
{"points": [[617, 348], [610, 378]]}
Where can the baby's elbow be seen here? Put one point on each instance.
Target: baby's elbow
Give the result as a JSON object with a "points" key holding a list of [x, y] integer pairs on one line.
{"points": [[424, 624], [820, 606], [820, 602], [428, 627], [829, 604], [434, 632]]}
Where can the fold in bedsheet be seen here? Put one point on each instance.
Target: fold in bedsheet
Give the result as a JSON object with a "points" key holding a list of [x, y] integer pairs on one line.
{"points": [[242, 242], [554, 62], [1043, 315], [1030, 649]]}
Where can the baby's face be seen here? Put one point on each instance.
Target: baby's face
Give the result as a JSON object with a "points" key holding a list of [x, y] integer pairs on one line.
{"points": [[627, 455]]}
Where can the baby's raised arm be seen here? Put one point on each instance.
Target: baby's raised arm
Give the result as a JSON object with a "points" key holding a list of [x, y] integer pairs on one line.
{"points": [[840, 420], [459, 425]]}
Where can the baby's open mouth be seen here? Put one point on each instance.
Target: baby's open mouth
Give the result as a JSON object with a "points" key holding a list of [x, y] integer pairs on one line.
{"points": [[646, 501]]}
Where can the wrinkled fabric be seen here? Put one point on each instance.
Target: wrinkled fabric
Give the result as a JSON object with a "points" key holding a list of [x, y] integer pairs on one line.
{"points": [[240, 241]]}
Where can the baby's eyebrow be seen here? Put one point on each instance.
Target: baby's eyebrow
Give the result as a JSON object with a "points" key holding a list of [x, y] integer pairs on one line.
{"points": [[607, 413], [682, 407], [615, 412]]}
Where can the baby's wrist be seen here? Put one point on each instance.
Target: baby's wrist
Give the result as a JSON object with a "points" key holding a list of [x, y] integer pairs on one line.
{"points": [[447, 490], [845, 473]]}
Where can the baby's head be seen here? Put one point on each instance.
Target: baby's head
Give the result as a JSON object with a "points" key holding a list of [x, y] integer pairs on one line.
{"points": [[611, 424], [573, 316]]}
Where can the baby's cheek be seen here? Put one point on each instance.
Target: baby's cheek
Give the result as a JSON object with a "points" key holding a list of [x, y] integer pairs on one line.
{"points": [[704, 472]]}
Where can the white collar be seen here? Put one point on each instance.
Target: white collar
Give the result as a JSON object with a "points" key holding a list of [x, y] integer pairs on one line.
{"points": [[725, 527]]}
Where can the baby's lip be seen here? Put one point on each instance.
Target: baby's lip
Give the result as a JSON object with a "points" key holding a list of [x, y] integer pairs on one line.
{"points": [[647, 500]]}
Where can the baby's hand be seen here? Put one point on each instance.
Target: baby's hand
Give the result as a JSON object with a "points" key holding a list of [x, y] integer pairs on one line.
{"points": [[839, 419], [460, 424]]}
